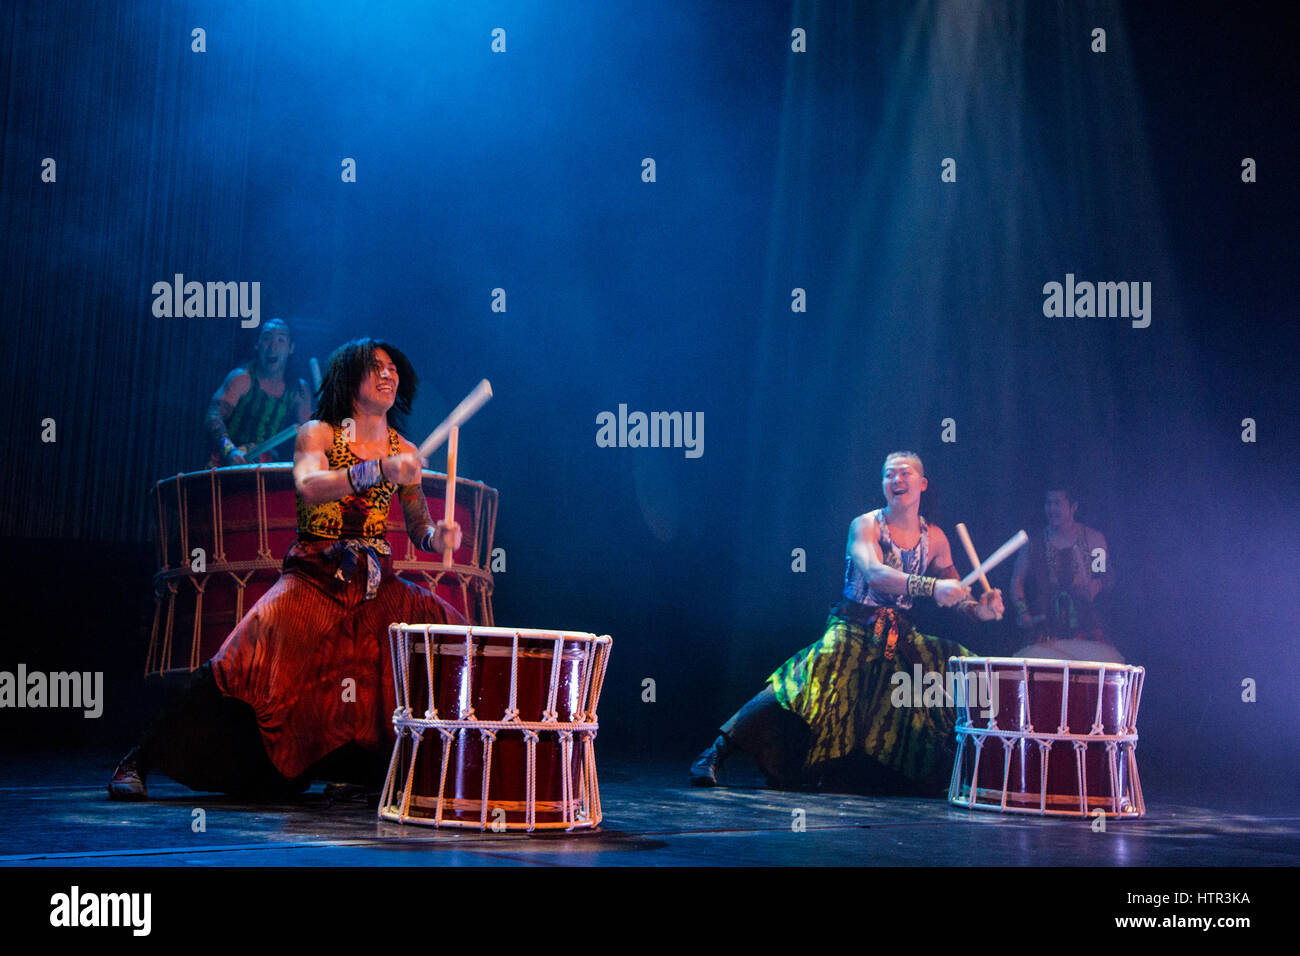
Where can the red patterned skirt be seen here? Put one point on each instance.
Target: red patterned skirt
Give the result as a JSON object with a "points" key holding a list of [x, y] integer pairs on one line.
{"points": [[312, 660]]}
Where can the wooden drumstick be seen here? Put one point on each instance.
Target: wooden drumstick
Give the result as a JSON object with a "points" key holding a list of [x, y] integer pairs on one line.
{"points": [[997, 557], [453, 441], [459, 415], [254, 452], [970, 553]]}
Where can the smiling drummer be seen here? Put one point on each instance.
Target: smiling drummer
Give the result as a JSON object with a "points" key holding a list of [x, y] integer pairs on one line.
{"points": [[827, 715], [303, 686]]}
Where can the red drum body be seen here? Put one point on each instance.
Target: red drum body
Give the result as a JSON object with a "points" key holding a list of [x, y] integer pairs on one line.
{"points": [[495, 728], [223, 534], [1062, 739]]}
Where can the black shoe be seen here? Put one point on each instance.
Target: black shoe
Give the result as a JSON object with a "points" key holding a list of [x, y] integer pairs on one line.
{"points": [[128, 779], [704, 771], [345, 793]]}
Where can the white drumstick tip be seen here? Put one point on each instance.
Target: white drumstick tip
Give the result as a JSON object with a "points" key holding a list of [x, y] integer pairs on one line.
{"points": [[459, 415], [997, 557]]}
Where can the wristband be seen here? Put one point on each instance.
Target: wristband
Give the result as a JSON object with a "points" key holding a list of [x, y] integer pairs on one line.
{"points": [[364, 475], [920, 586], [1021, 606], [427, 544], [228, 448]]}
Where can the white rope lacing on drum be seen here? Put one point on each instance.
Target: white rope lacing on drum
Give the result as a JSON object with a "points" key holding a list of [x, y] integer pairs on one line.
{"points": [[218, 537], [1097, 726], [988, 682], [1113, 765], [1064, 726], [430, 710], [591, 789], [417, 737], [1029, 717], [597, 681], [469, 672], [588, 653], [975, 773], [401, 694], [512, 704], [579, 796], [241, 585], [1123, 799], [446, 736], [1080, 748], [530, 779], [551, 713], [390, 778], [263, 520], [197, 629], [489, 738], [566, 777], [1044, 755]]}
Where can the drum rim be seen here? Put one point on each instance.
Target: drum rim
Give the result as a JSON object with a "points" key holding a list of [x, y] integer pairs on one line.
{"points": [[1050, 662], [288, 466], [464, 631]]}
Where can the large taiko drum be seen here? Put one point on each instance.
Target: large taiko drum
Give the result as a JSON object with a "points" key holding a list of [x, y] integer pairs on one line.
{"points": [[223, 534], [495, 727], [1062, 739]]}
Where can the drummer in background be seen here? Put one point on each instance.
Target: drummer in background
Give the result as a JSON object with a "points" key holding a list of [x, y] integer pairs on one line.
{"points": [[258, 399], [302, 688], [1060, 612]]}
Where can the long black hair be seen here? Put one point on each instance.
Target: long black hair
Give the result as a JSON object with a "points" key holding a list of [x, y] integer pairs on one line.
{"points": [[347, 368]]}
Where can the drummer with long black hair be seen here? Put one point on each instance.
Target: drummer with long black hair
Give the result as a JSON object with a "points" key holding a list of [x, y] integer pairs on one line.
{"points": [[303, 686]]}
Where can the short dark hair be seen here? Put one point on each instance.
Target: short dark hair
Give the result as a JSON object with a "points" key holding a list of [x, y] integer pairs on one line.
{"points": [[1063, 488], [347, 368], [903, 454], [276, 321]]}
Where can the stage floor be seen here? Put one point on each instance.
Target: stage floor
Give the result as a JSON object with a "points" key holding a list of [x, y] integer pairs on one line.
{"points": [[54, 811]]}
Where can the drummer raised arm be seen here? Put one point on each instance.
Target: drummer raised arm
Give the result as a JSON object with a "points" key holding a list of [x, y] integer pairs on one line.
{"points": [[864, 546], [902, 481], [317, 482]]}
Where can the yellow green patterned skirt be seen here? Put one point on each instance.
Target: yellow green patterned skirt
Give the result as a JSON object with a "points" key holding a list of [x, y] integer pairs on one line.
{"points": [[841, 688]]}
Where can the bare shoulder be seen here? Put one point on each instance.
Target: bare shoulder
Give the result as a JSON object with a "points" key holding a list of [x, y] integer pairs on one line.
{"points": [[237, 383], [863, 525], [315, 434], [939, 546], [404, 447], [1093, 537]]}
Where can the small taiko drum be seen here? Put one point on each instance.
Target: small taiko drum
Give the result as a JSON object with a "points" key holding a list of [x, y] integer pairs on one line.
{"points": [[1046, 736], [496, 727], [223, 534]]}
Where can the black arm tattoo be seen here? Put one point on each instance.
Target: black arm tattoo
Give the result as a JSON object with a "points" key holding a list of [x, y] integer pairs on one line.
{"points": [[218, 411], [415, 509]]}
